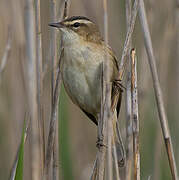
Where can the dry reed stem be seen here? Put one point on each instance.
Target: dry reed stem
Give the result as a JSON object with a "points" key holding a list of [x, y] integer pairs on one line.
{"points": [[135, 116], [54, 112], [103, 138], [116, 167], [94, 171], [99, 166], [56, 142], [157, 90], [53, 52], [6, 51], [32, 86], [128, 39], [107, 115], [54, 62], [122, 63], [129, 137], [105, 128], [53, 121], [55, 168], [127, 43], [60, 16], [40, 84], [102, 124]]}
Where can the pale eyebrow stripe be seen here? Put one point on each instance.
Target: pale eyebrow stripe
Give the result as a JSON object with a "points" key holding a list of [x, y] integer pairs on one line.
{"points": [[79, 21]]}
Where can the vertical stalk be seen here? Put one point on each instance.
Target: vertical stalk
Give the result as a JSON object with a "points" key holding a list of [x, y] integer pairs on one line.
{"points": [[128, 39], [32, 85], [107, 104], [53, 52], [98, 170], [53, 119], [54, 61], [157, 90], [129, 145], [55, 173], [54, 114], [104, 119], [40, 83], [135, 116]]}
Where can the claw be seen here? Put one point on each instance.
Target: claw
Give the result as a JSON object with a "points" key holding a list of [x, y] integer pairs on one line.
{"points": [[119, 84], [99, 143]]}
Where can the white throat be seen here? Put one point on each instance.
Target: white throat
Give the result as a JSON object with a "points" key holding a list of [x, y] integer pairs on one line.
{"points": [[69, 37]]}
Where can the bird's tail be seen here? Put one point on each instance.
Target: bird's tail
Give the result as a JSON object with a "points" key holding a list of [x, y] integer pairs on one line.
{"points": [[117, 141]]}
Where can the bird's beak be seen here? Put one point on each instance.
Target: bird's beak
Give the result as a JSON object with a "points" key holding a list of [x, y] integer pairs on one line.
{"points": [[57, 25]]}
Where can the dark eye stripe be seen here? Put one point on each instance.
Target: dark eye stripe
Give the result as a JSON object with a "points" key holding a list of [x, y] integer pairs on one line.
{"points": [[77, 24]]}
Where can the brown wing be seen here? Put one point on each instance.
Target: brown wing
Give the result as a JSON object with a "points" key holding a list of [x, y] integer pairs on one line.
{"points": [[116, 94], [113, 58]]}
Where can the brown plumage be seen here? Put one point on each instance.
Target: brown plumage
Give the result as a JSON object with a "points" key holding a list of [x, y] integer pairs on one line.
{"points": [[84, 52]]}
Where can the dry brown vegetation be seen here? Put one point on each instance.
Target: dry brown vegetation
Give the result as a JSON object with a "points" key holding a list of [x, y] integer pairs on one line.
{"points": [[30, 85]]}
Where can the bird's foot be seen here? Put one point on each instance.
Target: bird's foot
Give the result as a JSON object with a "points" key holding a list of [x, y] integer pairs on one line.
{"points": [[99, 143], [119, 85]]}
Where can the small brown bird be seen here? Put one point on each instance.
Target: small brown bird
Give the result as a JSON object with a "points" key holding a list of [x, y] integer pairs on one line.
{"points": [[84, 52]]}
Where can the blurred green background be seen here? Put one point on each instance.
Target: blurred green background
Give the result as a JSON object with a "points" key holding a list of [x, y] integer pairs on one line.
{"points": [[77, 134]]}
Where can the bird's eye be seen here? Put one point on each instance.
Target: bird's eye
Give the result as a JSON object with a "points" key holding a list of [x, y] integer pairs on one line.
{"points": [[77, 24]]}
